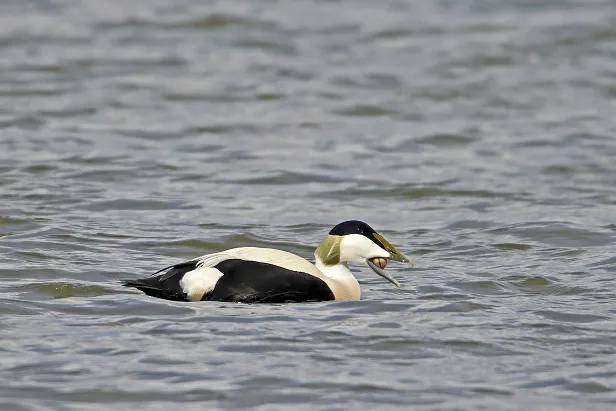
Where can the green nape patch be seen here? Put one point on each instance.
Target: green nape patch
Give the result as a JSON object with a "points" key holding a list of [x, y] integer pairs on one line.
{"points": [[65, 290], [329, 250]]}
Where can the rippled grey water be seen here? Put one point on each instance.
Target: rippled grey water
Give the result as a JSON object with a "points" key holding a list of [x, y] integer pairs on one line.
{"points": [[478, 136]]}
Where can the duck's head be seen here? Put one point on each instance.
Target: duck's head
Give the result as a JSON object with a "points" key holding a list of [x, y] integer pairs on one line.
{"points": [[356, 241]]}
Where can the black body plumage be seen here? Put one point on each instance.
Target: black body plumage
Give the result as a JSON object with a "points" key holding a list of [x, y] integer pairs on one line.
{"points": [[257, 282], [242, 281]]}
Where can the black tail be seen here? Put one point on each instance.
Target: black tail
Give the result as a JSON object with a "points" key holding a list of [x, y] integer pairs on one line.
{"points": [[166, 285], [155, 290]]}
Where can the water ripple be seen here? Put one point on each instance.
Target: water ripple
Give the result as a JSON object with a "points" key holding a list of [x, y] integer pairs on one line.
{"points": [[476, 137]]}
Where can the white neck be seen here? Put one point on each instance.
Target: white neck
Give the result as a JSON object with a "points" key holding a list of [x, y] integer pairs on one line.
{"points": [[340, 279], [337, 272]]}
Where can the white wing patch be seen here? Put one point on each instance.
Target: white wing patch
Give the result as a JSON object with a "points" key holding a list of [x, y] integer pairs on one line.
{"points": [[200, 281]]}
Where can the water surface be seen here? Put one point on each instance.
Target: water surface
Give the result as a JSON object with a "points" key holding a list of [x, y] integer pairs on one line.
{"points": [[477, 136]]}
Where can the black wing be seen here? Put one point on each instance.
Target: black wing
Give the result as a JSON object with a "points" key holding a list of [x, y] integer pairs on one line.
{"points": [[166, 285], [256, 282]]}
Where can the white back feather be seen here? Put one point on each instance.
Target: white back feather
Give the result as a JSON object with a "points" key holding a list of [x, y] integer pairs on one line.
{"points": [[280, 258]]}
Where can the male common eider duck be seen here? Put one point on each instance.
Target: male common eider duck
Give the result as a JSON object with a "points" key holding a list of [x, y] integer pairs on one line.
{"points": [[266, 275]]}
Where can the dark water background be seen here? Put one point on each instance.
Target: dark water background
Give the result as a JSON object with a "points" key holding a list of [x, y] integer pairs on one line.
{"points": [[478, 136]]}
